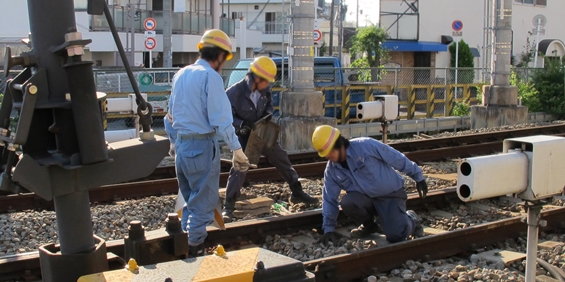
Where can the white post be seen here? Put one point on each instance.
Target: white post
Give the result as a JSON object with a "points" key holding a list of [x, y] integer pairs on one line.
{"points": [[150, 59], [456, 64], [282, 44], [532, 243], [242, 40], [537, 43]]}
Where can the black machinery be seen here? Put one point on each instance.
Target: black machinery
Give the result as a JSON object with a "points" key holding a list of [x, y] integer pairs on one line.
{"points": [[57, 148]]}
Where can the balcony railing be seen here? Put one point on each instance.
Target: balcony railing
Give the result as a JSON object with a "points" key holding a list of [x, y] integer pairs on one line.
{"points": [[183, 23], [269, 27]]}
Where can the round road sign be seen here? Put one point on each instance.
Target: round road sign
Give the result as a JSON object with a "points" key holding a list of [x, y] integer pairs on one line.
{"points": [[457, 25], [150, 24], [317, 35], [150, 43]]}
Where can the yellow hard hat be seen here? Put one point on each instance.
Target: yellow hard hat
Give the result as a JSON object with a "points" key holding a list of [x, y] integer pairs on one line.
{"points": [[265, 68], [218, 38], [324, 138]]}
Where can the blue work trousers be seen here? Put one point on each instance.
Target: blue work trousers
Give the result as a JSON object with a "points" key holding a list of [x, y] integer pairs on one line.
{"points": [[172, 134], [197, 165], [390, 209], [276, 155]]}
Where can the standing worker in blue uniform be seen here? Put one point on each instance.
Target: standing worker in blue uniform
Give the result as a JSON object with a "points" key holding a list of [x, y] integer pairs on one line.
{"points": [[364, 168], [251, 101], [200, 111]]}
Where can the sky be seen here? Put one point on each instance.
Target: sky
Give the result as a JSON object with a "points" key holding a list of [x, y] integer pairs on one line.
{"points": [[370, 10]]}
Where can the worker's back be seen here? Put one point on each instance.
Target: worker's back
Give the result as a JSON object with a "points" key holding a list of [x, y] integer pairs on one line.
{"points": [[189, 98]]}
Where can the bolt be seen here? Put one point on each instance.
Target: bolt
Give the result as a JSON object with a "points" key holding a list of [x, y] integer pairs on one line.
{"points": [[543, 223], [136, 230], [259, 266], [173, 225], [32, 89]]}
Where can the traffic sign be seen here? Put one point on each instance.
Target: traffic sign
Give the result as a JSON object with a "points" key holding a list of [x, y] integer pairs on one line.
{"points": [[150, 43], [457, 25], [150, 24], [457, 33], [150, 34], [317, 35]]}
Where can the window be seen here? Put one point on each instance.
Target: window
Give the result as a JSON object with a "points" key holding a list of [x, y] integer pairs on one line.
{"points": [[236, 15], [256, 7], [80, 5], [532, 2]]}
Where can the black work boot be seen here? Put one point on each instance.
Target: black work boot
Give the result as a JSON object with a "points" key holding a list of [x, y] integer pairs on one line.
{"points": [[196, 251], [229, 207], [299, 196], [365, 229], [419, 230]]}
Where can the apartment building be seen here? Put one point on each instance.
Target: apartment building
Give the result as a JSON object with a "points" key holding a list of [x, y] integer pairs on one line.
{"points": [[190, 19]]}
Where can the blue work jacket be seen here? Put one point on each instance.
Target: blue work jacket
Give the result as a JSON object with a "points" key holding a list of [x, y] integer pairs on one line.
{"points": [[199, 104], [371, 172], [243, 108]]}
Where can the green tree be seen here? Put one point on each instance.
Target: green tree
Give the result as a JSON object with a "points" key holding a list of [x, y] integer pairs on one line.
{"points": [[368, 43], [549, 84], [465, 60], [323, 48], [527, 93]]}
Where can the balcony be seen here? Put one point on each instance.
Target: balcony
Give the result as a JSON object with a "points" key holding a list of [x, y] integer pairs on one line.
{"points": [[272, 27], [183, 23]]}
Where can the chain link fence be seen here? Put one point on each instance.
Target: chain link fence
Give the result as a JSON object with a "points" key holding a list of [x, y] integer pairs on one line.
{"points": [[422, 92]]}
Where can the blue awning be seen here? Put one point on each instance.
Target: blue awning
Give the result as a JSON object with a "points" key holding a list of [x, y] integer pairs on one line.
{"points": [[414, 46]]}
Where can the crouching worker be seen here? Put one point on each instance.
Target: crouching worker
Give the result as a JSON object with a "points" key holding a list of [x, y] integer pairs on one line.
{"points": [[364, 168], [251, 101]]}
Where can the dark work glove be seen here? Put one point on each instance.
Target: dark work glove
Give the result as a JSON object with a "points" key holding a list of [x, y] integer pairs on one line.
{"points": [[329, 236], [250, 125], [244, 130], [422, 187], [268, 116]]}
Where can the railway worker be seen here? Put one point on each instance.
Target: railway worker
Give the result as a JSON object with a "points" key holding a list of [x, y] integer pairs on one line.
{"points": [[200, 111], [364, 168], [251, 101]]}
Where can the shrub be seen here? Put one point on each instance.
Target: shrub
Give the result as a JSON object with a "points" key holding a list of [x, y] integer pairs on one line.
{"points": [[461, 109], [550, 90]]}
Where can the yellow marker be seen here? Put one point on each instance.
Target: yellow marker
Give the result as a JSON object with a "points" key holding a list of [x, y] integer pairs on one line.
{"points": [[312, 51], [132, 265], [220, 251]]}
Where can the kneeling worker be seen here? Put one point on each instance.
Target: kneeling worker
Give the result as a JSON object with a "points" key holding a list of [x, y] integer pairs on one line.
{"points": [[251, 101], [364, 168]]}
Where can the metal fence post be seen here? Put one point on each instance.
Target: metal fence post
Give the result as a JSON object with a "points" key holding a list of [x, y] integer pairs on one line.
{"points": [[448, 100], [345, 106], [411, 103], [430, 107]]}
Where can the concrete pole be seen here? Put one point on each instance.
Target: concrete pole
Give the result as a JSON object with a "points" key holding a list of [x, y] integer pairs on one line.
{"points": [[131, 13], [302, 70], [500, 101], [302, 107], [216, 13], [332, 16], [242, 40], [503, 43], [167, 34]]}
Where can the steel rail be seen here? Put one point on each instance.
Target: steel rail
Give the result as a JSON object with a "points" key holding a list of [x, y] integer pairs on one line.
{"points": [[254, 230]]}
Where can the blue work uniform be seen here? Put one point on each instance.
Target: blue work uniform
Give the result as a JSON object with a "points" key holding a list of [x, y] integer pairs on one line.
{"points": [[373, 188], [244, 110], [201, 111]]}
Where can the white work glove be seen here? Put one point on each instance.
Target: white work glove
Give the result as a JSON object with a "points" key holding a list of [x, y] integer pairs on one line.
{"points": [[240, 161]]}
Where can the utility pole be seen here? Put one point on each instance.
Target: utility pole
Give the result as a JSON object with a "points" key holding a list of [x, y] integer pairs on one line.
{"points": [[357, 16], [167, 34], [332, 28], [131, 14], [340, 32]]}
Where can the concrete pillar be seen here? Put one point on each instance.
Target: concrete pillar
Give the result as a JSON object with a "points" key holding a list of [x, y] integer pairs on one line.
{"points": [[242, 40], [500, 100], [167, 34], [301, 107], [216, 13]]}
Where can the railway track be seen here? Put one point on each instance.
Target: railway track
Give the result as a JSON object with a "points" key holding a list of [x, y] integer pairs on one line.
{"points": [[345, 267], [435, 149]]}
